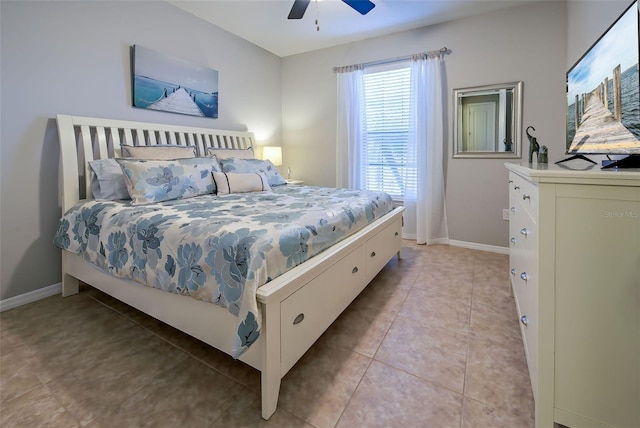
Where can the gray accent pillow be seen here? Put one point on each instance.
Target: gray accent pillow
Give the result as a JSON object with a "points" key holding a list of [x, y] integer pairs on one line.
{"points": [[107, 180]]}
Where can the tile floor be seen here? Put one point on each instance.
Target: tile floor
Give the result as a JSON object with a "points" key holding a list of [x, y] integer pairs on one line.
{"points": [[432, 342]]}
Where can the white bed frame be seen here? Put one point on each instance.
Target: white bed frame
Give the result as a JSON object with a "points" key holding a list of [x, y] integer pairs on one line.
{"points": [[297, 307]]}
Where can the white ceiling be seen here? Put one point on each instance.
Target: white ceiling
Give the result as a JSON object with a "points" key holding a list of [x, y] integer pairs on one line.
{"points": [[265, 23]]}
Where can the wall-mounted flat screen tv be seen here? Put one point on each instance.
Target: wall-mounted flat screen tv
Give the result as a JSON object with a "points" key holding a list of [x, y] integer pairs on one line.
{"points": [[603, 92]]}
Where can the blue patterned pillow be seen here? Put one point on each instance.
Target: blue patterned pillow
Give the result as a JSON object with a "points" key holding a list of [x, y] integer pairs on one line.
{"points": [[150, 181], [253, 165]]}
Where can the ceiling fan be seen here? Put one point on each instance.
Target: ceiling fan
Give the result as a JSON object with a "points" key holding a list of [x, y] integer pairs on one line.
{"points": [[300, 6]]}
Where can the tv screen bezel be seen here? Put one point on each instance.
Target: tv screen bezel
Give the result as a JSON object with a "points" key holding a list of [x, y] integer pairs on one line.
{"points": [[634, 3]]}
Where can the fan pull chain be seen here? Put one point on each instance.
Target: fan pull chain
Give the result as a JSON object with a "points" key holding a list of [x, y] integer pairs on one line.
{"points": [[317, 16]]}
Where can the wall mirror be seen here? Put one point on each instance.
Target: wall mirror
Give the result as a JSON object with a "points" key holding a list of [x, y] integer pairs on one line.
{"points": [[488, 121]]}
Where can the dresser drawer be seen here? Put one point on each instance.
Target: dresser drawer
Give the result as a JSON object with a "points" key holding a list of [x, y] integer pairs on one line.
{"points": [[524, 193], [307, 313], [528, 321], [380, 248]]}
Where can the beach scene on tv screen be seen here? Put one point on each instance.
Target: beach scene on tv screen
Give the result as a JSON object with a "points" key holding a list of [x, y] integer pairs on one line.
{"points": [[603, 93]]}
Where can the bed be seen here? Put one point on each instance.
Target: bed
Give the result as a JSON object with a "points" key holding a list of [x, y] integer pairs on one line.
{"points": [[294, 307]]}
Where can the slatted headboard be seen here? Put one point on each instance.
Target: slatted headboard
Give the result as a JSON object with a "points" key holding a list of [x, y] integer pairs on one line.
{"points": [[83, 139]]}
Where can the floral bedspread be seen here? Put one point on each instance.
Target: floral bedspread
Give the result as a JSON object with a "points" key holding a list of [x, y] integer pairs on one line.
{"points": [[218, 249]]}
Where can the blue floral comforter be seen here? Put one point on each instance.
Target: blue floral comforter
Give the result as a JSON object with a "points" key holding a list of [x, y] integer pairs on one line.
{"points": [[218, 249]]}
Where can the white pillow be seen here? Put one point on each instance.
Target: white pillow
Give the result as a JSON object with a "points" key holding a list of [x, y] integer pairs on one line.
{"points": [[253, 165], [158, 152], [107, 180], [229, 182], [231, 153]]}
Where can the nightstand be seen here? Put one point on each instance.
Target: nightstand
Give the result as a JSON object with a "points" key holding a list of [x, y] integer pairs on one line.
{"points": [[294, 182]]}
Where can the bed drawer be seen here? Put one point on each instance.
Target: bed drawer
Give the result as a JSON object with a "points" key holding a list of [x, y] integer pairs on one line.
{"points": [[380, 248], [307, 313]]}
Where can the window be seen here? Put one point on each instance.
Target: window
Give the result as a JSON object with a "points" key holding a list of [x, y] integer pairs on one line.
{"points": [[385, 164]]}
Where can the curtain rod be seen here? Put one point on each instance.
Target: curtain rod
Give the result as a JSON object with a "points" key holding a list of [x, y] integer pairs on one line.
{"points": [[443, 50]]}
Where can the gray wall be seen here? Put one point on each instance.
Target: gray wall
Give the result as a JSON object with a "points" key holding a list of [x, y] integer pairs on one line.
{"points": [[525, 43], [73, 58]]}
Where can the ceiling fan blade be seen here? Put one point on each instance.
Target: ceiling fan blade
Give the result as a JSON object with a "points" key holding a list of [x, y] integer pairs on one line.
{"points": [[362, 6], [298, 9]]}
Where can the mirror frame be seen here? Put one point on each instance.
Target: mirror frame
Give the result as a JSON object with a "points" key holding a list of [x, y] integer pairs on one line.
{"points": [[517, 120]]}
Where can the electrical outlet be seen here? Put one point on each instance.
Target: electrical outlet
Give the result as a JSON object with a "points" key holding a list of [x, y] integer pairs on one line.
{"points": [[505, 214]]}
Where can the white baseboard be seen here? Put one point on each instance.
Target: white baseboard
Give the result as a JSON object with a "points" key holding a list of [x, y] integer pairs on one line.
{"points": [[32, 296], [481, 247]]}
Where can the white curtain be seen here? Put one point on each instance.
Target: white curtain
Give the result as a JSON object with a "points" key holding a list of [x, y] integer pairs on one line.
{"points": [[425, 216], [351, 127]]}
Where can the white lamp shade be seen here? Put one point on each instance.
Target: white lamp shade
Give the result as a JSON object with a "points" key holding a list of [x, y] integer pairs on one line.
{"points": [[272, 153]]}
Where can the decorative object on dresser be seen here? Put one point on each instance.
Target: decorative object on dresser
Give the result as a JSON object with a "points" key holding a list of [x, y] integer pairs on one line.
{"points": [[294, 307], [543, 156], [574, 269], [534, 147]]}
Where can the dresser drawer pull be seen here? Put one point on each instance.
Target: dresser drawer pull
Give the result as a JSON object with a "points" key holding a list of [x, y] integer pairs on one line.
{"points": [[524, 231], [512, 209], [513, 271], [525, 197], [524, 320], [298, 319], [396, 234], [523, 276], [510, 181], [513, 240], [516, 187], [373, 254], [354, 270]]}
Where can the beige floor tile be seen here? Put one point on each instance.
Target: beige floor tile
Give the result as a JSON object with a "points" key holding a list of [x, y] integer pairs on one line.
{"points": [[187, 395], [237, 370], [90, 391], [36, 408], [388, 397], [479, 415], [500, 326], [319, 386], [431, 353], [360, 329], [111, 365], [246, 413], [497, 376], [16, 375], [443, 311]]}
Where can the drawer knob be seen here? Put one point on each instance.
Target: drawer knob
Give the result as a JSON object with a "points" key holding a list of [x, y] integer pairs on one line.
{"points": [[513, 240], [513, 271], [524, 320], [396, 234], [516, 187], [298, 319], [510, 181], [355, 269], [373, 254], [512, 209], [524, 276], [525, 197], [524, 231]]}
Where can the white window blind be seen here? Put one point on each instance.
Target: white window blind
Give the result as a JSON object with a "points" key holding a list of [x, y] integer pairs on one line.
{"points": [[385, 164]]}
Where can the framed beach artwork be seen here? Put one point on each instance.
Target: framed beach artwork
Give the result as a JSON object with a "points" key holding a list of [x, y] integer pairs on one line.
{"points": [[162, 82]]}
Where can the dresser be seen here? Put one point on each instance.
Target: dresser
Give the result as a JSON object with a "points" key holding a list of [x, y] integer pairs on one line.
{"points": [[575, 278]]}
